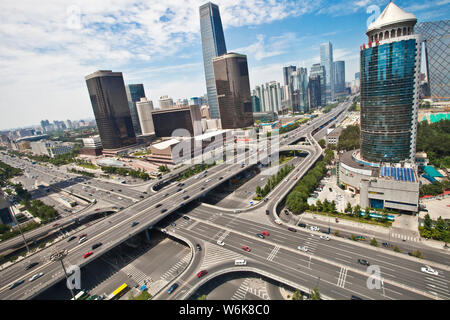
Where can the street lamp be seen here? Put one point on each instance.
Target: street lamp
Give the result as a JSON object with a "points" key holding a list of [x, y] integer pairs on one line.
{"points": [[59, 256]]}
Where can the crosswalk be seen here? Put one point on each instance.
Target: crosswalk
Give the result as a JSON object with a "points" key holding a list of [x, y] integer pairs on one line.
{"points": [[437, 286], [273, 253], [223, 236], [241, 292], [175, 269], [342, 277], [405, 237], [311, 243], [135, 274], [215, 254]]}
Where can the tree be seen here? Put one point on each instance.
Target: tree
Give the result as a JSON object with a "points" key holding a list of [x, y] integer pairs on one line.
{"points": [[441, 226], [374, 242], [428, 223], [353, 237], [3, 228], [202, 297], [322, 143], [349, 208], [396, 249], [315, 294], [297, 295], [258, 190], [417, 254], [357, 210]]}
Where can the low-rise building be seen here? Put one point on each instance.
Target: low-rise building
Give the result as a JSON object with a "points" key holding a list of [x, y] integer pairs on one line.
{"points": [[51, 148], [92, 146], [333, 136]]}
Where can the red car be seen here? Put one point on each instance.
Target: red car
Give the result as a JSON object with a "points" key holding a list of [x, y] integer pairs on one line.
{"points": [[295, 178], [245, 248], [201, 273], [83, 235], [292, 229], [265, 233], [87, 254], [56, 224]]}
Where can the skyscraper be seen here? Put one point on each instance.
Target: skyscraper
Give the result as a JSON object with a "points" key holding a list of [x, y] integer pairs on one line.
{"points": [[213, 45], [165, 102], [318, 70], [111, 109], [144, 109], [314, 92], [390, 68], [287, 74], [233, 90], [339, 76], [437, 52], [299, 81], [326, 60], [134, 93]]}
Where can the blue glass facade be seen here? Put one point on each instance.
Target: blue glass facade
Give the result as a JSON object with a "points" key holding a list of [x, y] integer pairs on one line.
{"points": [[213, 45], [388, 76], [134, 94]]}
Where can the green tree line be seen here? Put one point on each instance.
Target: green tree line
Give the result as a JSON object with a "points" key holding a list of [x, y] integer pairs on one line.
{"points": [[273, 181], [127, 172]]}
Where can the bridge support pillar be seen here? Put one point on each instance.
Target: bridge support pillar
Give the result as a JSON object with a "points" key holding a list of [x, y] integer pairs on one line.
{"points": [[147, 234]]}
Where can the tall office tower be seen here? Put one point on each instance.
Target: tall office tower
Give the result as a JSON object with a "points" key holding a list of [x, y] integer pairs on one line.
{"points": [[299, 81], [256, 104], [233, 90], [272, 97], [339, 76], [326, 59], [134, 93], [111, 110], [167, 121], [318, 70], [314, 92], [213, 45], [144, 110], [287, 74], [390, 69], [437, 52], [165, 102]]}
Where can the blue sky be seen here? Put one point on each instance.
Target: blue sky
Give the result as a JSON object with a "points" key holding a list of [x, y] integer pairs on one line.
{"points": [[47, 49]]}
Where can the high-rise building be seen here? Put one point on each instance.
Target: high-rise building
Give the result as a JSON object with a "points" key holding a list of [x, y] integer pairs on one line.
{"points": [[326, 60], [357, 76], [339, 76], [272, 96], [256, 104], [287, 74], [111, 109], [213, 45], [233, 90], [144, 109], [165, 102], [299, 80], [134, 93], [436, 36], [390, 69], [168, 120], [195, 100], [314, 92], [318, 70]]}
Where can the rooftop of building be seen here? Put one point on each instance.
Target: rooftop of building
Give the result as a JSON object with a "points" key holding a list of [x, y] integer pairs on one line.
{"points": [[165, 144], [392, 14], [335, 133], [209, 134], [348, 159]]}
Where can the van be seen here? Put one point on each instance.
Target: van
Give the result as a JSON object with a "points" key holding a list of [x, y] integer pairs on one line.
{"points": [[240, 262]]}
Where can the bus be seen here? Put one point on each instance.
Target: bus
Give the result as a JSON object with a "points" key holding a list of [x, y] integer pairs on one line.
{"points": [[80, 295], [120, 291]]}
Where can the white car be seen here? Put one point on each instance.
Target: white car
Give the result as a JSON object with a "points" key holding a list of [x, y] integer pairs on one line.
{"points": [[325, 237], [37, 275], [303, 248], [429, 270], [220, 243], [314, 228], [278, 221]]}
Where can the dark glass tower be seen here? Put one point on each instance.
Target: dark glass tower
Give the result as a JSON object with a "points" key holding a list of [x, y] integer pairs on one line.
{"points": [[314, 92], [390, 68], [213, 45], [134, 94], [233, 90], [111, 110], [339, 76]]}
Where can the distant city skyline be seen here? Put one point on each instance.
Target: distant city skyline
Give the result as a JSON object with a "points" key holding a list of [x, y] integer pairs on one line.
{"points": [[45, 63]]}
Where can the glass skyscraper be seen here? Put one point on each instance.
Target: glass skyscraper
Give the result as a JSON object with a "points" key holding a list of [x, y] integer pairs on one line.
{"points": [[300, 90], [111, 109], [134, 94], [326, 60], [213, 45], [317, 70], [339, 76], [436, 36], [390, 68]]}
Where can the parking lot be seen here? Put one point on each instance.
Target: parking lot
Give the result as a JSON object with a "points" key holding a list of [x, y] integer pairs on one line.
{"points": [[437, 208], [332, 192]]}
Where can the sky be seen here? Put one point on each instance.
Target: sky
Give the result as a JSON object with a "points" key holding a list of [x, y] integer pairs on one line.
{"points": [[48, 47]]}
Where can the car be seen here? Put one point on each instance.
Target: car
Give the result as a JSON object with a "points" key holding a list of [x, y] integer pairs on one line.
{"points": [[82, 236], [158, 205], [199, 248], [325, 238], [15, 284], [387, 245], [220, 243], [331, 190], [180, 184], [141, 196], [55, 225], [163, 210], [314, 228], [364, 262], [303, 248], [292, 229], [429, 270], [355, 298], [245, 248], [172, 288], [82, 240], [265, 233], [71, 238], [185, 197], [31, 265], [173, 224], [87, 254], [166, 195], [96, 245], [267, 212], [201, 273], [179, 189], [186, 218], [37, 275], [134, 223], [360, 238], [302, 225], [260, 235], [145, 192], [220, 178], [202, 188], [295, 178]]}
